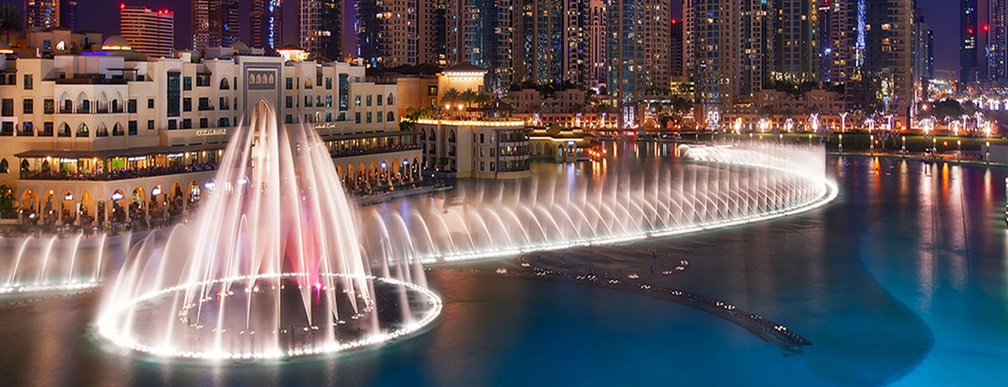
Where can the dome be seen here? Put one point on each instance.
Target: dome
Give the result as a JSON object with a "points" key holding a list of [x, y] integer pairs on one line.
{"points": [[239, 46], [115, 42]]}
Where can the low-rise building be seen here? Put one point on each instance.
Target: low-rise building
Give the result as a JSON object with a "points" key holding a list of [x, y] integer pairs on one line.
{"points": [[480, 148], [102, 138]]}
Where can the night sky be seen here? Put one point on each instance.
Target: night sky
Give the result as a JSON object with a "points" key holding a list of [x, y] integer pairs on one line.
{"points": [[103, 15]]}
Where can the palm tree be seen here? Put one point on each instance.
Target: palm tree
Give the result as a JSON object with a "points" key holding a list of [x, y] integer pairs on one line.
{"points": [[450, 96], [10, 20]]}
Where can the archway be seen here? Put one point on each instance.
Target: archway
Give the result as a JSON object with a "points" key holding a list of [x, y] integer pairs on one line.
{"points": [[175, 200], [85, 208], [48, 210], [119, 206], [29, 206], [137, 203], [82, 130], [158, 203], [194, 193], [4, 168], [68, 208]]}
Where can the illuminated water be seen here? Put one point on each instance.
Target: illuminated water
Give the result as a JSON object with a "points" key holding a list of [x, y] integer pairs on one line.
{"points": [[903, 279]]}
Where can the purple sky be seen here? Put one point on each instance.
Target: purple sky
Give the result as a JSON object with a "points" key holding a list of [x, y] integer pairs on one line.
{"points": [[103, 15]]}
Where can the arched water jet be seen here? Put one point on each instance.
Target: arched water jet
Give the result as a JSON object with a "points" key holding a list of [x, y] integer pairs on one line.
{"points": [[271, 267]]}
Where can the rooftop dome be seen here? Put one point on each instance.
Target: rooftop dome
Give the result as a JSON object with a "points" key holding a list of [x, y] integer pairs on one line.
{"points": [[115, 42]]}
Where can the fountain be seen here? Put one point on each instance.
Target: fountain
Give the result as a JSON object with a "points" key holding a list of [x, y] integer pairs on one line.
{"points": [[724, 186], [36, 263], [270, 268]]}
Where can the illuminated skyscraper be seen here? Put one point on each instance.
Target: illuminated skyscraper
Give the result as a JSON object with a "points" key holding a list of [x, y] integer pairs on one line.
{"points": [[215, 23], [42, 13], [733, 49], [968, 71], [597, 42], [479, 32], [147, 31], [997, 42], [397, 32], [322, 28], [266, 23], [638, 52], [795, 47]]}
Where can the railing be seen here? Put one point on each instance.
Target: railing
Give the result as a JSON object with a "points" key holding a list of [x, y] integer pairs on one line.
{"points": [[117, 174], [373, 150]]}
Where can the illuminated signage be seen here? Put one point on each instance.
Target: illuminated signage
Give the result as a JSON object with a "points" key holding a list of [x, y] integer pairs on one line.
{"points": [[210, 132]]}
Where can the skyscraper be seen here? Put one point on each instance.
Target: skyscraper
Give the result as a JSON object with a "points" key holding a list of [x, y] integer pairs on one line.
{"points": [[733, 49], [889, 54], [688, 41], [675, 49], [968, 41], [265, 22], [215, 23], [597, 42], [825, 37], [795, 48], [147, 31], [539, 54], [42, 13], [923, 56], [638, 48], [997, 42], [68, 14], [479, 32], [321, 28], [397, 32]]}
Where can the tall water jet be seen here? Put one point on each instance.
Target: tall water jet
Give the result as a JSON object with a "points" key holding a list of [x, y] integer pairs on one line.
{"points": [[271, 267]]}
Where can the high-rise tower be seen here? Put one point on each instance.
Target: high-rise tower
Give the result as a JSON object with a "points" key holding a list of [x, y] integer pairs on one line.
{"points": [[321, 28], [215, 23], [42, 13], [266, 23], [968, 71], [147, 31]]}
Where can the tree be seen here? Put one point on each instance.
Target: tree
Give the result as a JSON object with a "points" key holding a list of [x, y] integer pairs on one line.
{"points": [[10, 20], [450, 96], [7, 202]]}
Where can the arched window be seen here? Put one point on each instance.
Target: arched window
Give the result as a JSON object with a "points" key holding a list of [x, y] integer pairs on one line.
{"points": [[391, 117], [4, 168], [224, 84], [82, 130], [64, 130], [390, 99]]}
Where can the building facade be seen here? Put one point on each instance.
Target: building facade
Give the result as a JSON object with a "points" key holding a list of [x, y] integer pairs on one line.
{"points": [[322, 28], [997, 42], [215, 23], [266, 23], [147, 31], [796, 43], [638, 50], [100, 140], [42, 13], [480, 32], [489, 149], [968, 71]]}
